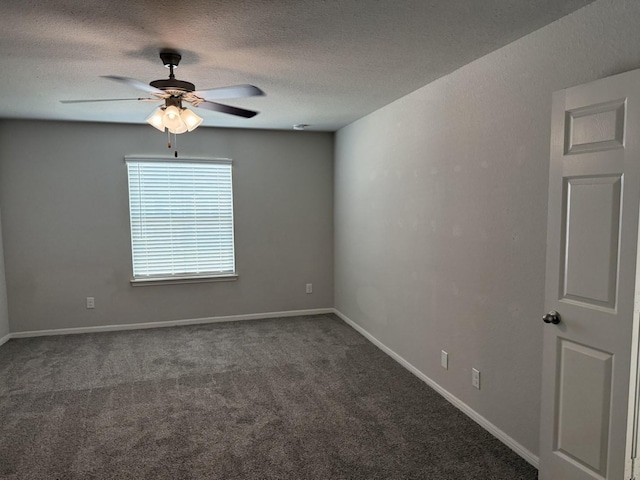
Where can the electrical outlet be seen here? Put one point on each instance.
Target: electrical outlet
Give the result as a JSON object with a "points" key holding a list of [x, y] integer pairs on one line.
{"points": [[444, 360], [309, 287], [91, 302], [475, 378]]}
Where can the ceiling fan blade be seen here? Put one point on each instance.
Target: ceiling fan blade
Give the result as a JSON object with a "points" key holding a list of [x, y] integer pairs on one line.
{"points": [[111, 100], [236, 91], [219, 107], [134, 83]]}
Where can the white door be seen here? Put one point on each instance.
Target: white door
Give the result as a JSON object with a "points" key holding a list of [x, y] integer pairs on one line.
{"points": [[592, 238]]}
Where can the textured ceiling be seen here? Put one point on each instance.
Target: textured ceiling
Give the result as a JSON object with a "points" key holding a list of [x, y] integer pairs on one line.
{"points": [[321, 62]]}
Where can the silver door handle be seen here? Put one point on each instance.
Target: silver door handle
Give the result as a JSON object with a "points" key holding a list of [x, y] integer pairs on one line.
{"points": [[551, 317]]}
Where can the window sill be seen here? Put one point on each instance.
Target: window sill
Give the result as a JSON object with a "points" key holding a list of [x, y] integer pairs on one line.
{"points": [[148, 282]]}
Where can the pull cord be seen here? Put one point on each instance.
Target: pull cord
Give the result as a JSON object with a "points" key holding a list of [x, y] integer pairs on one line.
{"points": [[175, 142]]}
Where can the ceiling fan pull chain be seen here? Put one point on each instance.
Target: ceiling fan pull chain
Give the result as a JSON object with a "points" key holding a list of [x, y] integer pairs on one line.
{"points": [[168, 139], [175, 141]]}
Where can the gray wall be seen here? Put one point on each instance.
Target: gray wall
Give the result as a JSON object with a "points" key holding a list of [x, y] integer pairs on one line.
{"points": [[63, 188], [440, 212], [4, 312]]}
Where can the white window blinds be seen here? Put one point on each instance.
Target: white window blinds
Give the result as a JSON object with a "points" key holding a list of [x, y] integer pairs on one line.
{"points": [[181, 218]]}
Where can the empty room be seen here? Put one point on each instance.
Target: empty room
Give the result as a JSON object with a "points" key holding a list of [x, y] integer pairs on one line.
{"points": [[332, 239]]}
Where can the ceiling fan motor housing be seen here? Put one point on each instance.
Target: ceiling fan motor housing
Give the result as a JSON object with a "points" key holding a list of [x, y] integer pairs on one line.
{"points": [[173, 84]]}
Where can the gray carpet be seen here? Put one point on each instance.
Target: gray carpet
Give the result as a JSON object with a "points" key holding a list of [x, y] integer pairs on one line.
{"points": [[293, 398]]}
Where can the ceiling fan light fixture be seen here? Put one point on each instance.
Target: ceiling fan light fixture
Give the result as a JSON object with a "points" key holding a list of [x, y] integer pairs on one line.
{"points": [[175, 119], [155, 119], [191, 120]]}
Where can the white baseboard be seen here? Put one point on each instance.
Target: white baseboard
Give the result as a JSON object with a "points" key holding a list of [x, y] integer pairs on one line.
{"points": [[471, 413], [5, 339], [169, 323]]}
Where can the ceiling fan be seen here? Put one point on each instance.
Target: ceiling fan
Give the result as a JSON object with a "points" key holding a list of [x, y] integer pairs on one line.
{"points": [[172, 115]]}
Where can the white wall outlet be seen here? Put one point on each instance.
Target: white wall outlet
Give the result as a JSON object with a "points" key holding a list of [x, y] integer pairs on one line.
{"points": [[309, 287], [444, 360], [91, 302], [475, 378]]}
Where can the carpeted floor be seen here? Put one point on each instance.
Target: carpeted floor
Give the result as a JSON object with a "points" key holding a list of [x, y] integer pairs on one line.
{"points": [[292, 398]]}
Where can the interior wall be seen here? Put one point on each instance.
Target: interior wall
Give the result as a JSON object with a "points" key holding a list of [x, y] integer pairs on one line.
{"points": [[440, 212], [4, 312], [63, 188]]}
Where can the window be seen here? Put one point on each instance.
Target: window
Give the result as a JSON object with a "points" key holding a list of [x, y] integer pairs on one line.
{"points": [[181, 219]]}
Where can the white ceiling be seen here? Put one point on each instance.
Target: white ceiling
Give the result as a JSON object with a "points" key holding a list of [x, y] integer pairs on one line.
{"points": [[321, 62]]}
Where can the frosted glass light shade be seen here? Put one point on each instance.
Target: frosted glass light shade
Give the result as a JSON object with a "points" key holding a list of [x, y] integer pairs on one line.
{"points": [[179, 129], [190, 119], [155, 119], [171, 118]]}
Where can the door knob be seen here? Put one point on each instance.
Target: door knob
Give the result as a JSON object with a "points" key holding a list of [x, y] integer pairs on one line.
{"points": [[551, 317]]}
